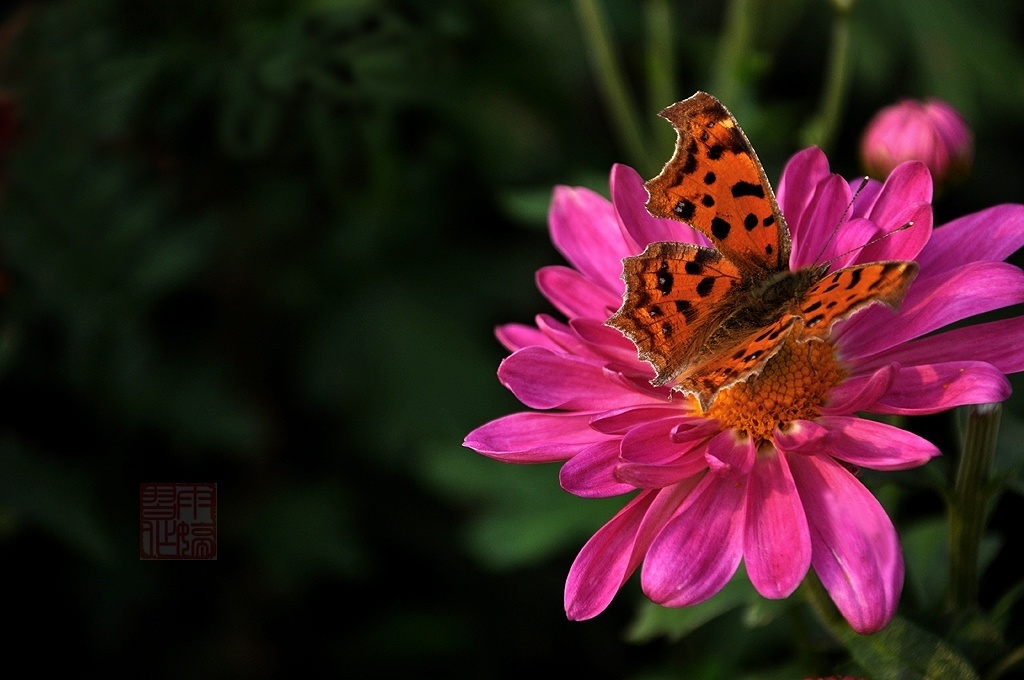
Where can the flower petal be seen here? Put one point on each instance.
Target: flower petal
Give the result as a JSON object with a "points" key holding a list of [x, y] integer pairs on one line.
{"points": [[542, 379], [589, 474], [606, 561], [621, 421], [698, 551], [825, 213], [933, 303], [776, 541], [990, 235], [586, 231], [630, 200], [875, 445], [530, 437], [930, 388], [516, 336], [854, 547], [796, 188], [997, 343], [803, 437], [576, 296], [731, 454], [652, 458], [860, 391]]}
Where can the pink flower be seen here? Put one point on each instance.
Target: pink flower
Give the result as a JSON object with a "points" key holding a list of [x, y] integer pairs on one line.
{"points": [[931, 131], [706, 494]]}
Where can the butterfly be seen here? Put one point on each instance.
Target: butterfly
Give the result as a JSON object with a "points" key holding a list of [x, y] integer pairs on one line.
{"points": [[707, 318]]}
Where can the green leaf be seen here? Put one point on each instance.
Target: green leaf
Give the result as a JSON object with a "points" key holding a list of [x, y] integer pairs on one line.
{"points": [[655, 621]]}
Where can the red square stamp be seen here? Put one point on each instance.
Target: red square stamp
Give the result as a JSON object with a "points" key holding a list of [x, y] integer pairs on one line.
{"points": [[177, 521]]}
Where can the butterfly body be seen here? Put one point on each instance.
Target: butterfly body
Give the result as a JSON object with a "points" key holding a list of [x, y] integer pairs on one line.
{"points": [[706, 318]]}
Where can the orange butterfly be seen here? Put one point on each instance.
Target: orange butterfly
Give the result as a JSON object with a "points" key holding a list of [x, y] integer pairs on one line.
{"points": [[706, 319]]}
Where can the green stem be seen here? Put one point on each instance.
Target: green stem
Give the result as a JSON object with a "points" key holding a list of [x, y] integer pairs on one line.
{"points": [[836, 75], [732, 47], [611, 81], [968, 505], [823, 607], [661, 75], [1014, 659]]}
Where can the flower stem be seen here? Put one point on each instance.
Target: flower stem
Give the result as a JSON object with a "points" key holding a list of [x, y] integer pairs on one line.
{"points": [[661, 74], [968, 505], [605, 61], [824, 131], [733, 45], [823, 607]]}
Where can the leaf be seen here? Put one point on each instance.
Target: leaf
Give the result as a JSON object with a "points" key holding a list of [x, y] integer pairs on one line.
{"points": [[655, 621]]}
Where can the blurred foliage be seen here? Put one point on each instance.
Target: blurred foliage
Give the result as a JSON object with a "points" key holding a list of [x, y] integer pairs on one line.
{"points": [[265, 243]]}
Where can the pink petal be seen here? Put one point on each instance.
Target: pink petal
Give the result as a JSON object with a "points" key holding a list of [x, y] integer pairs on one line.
{"points": [[860, 391], [651, 458], [776, 541], [516, 336], [802, 174], [613, 553], [997, 343], [586, 231], [870, 444], [530, 437], [930, 388], [854, 546], [605, 562], [991, 235], [897, 240], [803, 437], [731, 454], [630, 198], [589, 474], [621, 421], [576, 296], [933, 303], [831, 199], [652, 442], [908, 183], [865, 194], [699, 549], [613, 345], [542, 379]]}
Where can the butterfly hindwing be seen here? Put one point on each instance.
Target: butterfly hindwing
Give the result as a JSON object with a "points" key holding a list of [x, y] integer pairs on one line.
{"points": [[677, 297], [733, 363], [715, 183]]}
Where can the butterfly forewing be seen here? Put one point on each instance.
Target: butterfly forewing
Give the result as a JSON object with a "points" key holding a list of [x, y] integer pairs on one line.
{"points": [[841, 293], [715, 183], [676, 299]]}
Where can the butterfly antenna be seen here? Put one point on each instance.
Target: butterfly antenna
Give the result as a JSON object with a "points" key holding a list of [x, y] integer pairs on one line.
{"points": [[873, 241], [842, 218]]}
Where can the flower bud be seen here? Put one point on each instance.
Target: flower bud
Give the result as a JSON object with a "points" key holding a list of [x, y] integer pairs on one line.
{"points": [[931, 131]]}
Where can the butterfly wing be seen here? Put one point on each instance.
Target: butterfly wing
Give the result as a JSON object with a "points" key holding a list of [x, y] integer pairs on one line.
{"points": [[715, 183], [841, 293], [734, 363], [678, 294]]}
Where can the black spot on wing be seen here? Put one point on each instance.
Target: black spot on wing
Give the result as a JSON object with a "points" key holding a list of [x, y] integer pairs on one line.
{"points": [[742, 188], [720, 228], [750, 221], [685, 209], [665, 279], [705, 286]]}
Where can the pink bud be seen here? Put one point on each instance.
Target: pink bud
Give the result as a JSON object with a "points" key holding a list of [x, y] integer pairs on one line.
{"points": [[931, 131]]}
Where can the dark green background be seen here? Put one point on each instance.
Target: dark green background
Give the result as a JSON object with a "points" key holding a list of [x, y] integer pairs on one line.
{"points": [[265, 244]]}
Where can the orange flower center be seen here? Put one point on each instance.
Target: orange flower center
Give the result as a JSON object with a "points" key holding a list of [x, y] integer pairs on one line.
{"points": [[793, 385]]}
